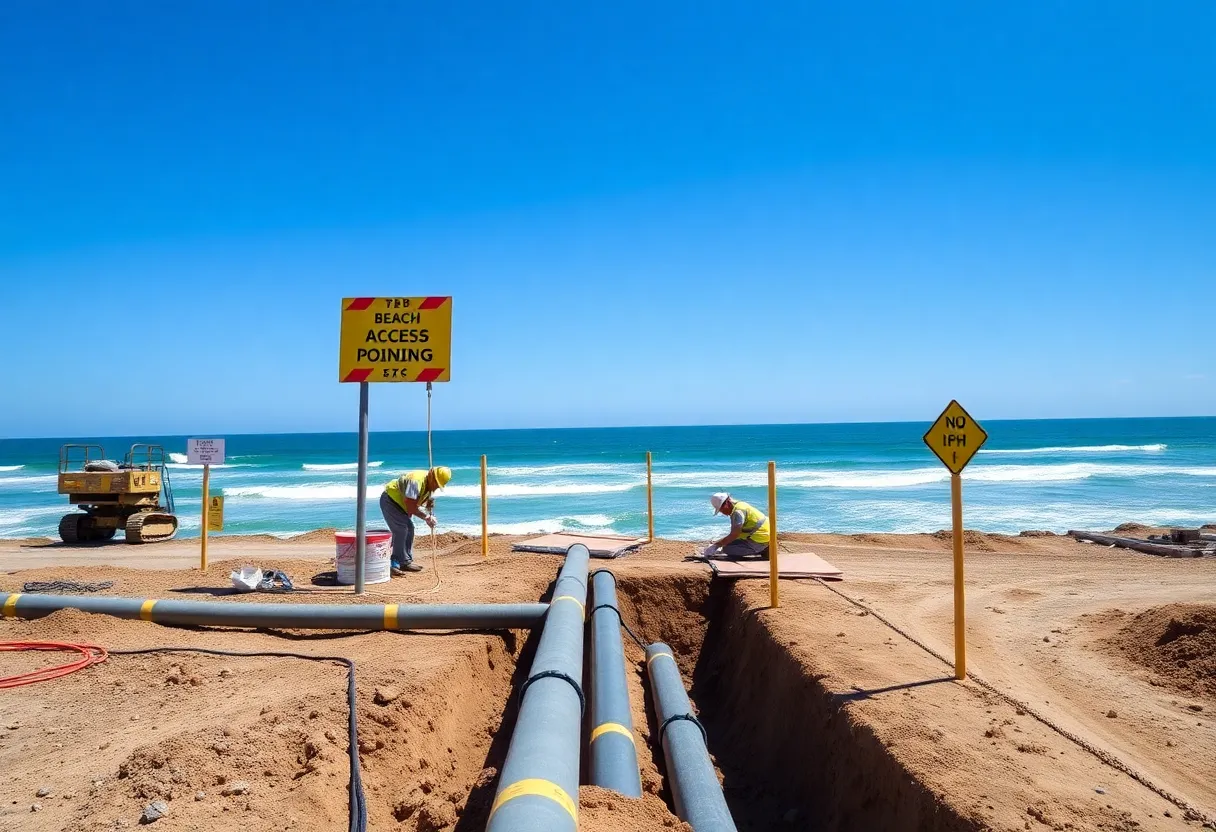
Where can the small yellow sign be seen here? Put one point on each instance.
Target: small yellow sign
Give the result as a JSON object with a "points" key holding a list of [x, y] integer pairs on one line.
{"points": [[955, 437], [395, 339], [215, 514]]}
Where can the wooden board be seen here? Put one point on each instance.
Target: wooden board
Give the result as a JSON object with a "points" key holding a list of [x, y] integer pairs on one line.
{"points": [[599, 545], [789, 565]]}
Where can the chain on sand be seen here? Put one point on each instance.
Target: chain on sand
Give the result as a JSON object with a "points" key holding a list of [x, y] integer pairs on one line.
{"points": [[1189, 811]]}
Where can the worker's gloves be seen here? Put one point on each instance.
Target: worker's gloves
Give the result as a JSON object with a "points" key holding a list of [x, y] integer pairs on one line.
{"points": [[709, 550], [430, 520]]}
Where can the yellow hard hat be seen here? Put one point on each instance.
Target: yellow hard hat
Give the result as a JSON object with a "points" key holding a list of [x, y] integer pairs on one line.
{"points": [[442, 476]]}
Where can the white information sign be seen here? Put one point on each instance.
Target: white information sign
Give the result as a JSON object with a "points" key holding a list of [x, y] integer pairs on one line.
{"points": [[205, 451]]}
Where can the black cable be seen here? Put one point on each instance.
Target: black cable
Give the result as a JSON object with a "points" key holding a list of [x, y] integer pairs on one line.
{"points": [[358, 801], [65, 586]]}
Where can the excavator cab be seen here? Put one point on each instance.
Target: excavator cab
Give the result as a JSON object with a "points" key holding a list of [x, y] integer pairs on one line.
{"points": [[133, 495]]}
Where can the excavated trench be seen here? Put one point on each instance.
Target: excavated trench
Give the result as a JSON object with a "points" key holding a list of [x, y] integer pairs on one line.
{"points": [[790, 755]]}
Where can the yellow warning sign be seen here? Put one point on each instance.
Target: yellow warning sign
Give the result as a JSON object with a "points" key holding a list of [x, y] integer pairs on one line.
{"points": [[955, 437], [215, 514], [396, 339]]}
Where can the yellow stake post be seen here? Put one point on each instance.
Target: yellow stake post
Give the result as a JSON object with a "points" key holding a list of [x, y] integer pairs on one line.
{"points": [[649, 499], [206, 511], [960, 606], [485, 512], [773, 593]]}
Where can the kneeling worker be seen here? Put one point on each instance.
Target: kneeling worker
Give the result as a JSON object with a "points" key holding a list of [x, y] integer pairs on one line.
{"points": [[404, 499], [749, 529]]}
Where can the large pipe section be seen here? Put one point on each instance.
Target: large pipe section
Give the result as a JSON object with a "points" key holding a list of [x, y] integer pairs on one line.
{"points": [[298, 616], [690, 773], [538, 788], [614, 755]]}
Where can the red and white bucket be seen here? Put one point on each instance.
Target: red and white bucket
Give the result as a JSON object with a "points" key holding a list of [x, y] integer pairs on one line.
{"points": [[376, 560]]}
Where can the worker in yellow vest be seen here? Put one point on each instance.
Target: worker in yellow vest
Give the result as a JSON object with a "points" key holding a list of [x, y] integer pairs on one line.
{"points": [[749, 529], [408, 496]]}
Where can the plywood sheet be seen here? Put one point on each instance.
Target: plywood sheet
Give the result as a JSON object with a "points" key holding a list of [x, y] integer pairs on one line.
{"points": [[789, 565], [599, 545]]}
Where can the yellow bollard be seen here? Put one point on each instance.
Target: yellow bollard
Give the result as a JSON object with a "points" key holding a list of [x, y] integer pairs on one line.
{"points": [[206, 506], [960, 605], [485, 512], [774, 596], [649, 499]]}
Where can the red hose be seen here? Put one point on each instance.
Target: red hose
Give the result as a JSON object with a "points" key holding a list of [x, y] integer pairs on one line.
{"points": [[90, 654]]}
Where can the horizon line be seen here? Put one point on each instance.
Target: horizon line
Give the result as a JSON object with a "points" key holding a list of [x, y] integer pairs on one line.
{"points": [[604, 427]]}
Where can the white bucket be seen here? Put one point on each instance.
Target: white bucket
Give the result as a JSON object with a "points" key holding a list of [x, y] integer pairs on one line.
{"points": [[376, 561]]}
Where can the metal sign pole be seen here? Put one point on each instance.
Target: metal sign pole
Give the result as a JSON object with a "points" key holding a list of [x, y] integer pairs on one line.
{"points": [[206, 515], [960, 605], [361, 495]]}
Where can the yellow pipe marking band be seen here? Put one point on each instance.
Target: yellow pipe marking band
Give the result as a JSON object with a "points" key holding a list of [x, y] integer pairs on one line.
{"points": [[575, 600], [145, 609], [612, 728], [659, 656], [390, 616], [10, 605], [538, 788]]}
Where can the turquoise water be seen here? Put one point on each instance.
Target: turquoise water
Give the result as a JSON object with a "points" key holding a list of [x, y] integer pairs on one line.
{"points": [[1050, 474]]}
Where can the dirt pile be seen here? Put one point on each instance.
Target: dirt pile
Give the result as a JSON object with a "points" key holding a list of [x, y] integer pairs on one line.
{"points": [[1177, 642]]}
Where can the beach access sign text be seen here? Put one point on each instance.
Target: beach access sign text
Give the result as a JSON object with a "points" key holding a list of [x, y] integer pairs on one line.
{"points": [[396, 339], [205, 451], [955, 437]]}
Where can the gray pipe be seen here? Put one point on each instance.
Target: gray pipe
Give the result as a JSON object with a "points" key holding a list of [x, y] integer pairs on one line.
{"points": [[614, 755], [301, 616], [538, 788], [690, 773]]}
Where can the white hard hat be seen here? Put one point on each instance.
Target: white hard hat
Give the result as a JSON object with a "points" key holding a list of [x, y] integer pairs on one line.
{"points": [[718, 499]]}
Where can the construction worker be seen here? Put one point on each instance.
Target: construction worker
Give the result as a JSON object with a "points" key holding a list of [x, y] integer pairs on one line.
{"points": [[408, 496], [749, 529]]}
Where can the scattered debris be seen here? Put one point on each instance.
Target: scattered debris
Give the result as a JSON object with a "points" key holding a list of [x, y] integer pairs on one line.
{"points": [[154, 811]]}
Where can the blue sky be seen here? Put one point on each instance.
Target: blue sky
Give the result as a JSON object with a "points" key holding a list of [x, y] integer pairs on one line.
{"points": [[683, 213]]}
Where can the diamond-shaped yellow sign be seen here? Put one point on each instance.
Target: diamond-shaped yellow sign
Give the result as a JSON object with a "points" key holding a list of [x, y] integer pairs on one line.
{"points": [[955, 437]]}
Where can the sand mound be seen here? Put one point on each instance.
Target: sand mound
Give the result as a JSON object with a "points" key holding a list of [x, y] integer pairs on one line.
{"points": [[1133, 528], [976, 541], [1177, 642]]}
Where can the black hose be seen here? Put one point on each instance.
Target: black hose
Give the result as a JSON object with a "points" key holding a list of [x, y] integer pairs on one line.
{"points": [[358, 802]]}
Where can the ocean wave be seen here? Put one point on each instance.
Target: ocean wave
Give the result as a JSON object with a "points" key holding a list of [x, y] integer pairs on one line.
{"points": [[337, 466], [566, 470], [538, 489], [320, 493], [1078, 449], [11, 467], [577, 523], [36, 479]]}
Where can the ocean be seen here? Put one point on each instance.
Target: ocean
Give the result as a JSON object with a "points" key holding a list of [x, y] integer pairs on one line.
{"points": [[1045, 474]]}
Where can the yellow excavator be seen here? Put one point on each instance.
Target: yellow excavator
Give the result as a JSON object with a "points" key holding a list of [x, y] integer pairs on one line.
{"points": [[116, 495]]}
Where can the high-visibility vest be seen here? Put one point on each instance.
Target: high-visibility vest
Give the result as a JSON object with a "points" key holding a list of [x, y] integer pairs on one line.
{"points": [[396, 488], [755, 524]]}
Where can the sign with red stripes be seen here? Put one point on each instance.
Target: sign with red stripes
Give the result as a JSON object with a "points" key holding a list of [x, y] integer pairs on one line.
{"points": [[395, 339]]}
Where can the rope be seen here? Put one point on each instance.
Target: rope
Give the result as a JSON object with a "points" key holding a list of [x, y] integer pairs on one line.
{"points": [[65, 586], [90, 654], [1189, 811], [357, 799]]}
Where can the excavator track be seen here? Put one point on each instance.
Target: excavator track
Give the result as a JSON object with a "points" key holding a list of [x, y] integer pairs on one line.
{"points": [[69, 527], [151, 527]]}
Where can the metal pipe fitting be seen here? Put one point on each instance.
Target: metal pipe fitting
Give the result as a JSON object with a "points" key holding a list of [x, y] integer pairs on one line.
{"points": [[690, 773], [614, 755], [538, 787], [299, 616]]}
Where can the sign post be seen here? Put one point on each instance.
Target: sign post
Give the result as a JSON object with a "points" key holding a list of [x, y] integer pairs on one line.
{"points": [[649, 500], [774, 596], [388, 340], [954, 438], [205, 452], [485, 512]]}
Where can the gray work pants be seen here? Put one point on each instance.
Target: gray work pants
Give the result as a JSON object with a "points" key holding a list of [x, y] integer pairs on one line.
{"points": [[402, 527], [740, 548]]}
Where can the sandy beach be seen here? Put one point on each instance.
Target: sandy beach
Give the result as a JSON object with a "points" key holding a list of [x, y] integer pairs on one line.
{"points": [[819, 715]]}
